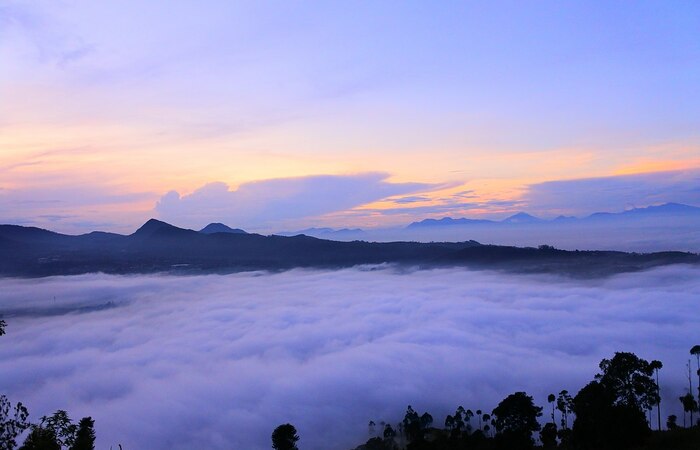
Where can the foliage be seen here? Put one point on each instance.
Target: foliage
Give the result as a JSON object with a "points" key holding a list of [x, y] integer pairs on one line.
{"points": [[601, 423], [85, 436], [565, 405], [630, 379], [13, 421], [41, 438], [689, 403], [672, 422], [414, 424], [515, 419], [548, 435], [285, 437]]}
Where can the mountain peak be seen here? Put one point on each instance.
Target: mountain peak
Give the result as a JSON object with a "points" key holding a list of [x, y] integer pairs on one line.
{"points": [[151, 226], [217, 227], [521, 217]]}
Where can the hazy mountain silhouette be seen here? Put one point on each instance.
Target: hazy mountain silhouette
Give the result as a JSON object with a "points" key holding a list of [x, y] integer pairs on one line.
{"points": [[667, 210], [161, 247], [328, 233], [521, 217], [220, 228]]}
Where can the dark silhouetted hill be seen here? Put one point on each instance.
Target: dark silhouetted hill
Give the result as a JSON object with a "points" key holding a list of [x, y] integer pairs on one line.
{"points": [[161, 247], [220, 228]]}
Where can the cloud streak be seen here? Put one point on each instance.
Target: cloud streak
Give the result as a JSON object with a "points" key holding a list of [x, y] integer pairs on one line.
{"points": [[589, 195], [218, 361], [261, 203]]}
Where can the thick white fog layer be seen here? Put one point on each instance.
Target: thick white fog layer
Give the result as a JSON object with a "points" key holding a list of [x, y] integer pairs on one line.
{"points": [[217, 362]]}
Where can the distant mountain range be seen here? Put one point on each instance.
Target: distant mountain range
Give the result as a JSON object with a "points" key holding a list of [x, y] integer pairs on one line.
{"points": [[160, 247], [326, 233], [668, 210]]}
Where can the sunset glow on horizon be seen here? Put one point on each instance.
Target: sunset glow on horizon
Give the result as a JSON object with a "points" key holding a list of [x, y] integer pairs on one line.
{"points": [[114, 112]]}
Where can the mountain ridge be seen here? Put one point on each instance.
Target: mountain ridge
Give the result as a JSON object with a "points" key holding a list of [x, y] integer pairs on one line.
{"points": [[158, 246], [522, 217]]}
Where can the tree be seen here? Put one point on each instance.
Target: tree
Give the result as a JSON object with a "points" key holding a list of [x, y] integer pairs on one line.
{"points": [[696, 351], [656, 366], [630, 379], [3, 324], [389, 433], [551, 399], [548, 435], [285, 437], [671, 422], [61, 426], [487, 419], [41, 438], [601, 423], [412, 424], [13, 422], [515, 419], [426, 420], [469, 414], [565, 405], [85, 436], [449, 422], [459, 417], [689, 405]]}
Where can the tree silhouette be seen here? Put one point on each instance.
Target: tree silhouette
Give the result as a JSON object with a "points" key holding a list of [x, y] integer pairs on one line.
{"points": [[671, 422], [487, 419], [41, 438], [656, 366], [565, 405], [689, 405], [61, 426], [515, 419], [425, 421], [449, 422], [389, 433], [551, 398], [695, 350], [85, 436], [690, 393], [548, 435], [3, 324], [630, 379], [468, 415], [285, 437], [602, 422], [13, 422], [459, 417]]}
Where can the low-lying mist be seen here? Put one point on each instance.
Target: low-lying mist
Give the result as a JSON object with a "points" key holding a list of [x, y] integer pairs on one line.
{"points": [[163, 362]]}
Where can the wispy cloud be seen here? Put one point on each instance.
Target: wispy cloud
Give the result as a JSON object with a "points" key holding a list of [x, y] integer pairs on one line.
{"points": [[614, 193], [267, 202]]}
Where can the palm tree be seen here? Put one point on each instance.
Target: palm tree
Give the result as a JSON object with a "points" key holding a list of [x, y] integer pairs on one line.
{"points": [[478, 414], [696, 351], [551, 398], [689, 405], [690, 393], [656, 365], [565, 404]]}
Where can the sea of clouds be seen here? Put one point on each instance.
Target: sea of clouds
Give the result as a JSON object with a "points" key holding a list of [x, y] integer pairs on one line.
{"points": [[217, 361]]}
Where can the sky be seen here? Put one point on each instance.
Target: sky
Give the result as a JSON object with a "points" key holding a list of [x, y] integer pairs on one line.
{"points": [[219, 361], [274, 116]]}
